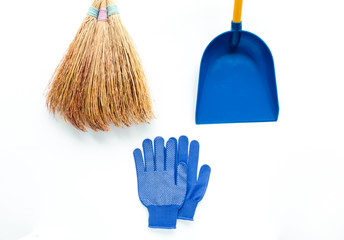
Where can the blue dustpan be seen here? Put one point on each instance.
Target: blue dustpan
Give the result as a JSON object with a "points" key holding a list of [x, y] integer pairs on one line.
{"points": [[237, 80]]}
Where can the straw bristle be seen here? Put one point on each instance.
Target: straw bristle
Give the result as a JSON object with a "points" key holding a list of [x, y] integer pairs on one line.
{"points": [[100, 100], [100, 81], [65, 89], [135, 102]]}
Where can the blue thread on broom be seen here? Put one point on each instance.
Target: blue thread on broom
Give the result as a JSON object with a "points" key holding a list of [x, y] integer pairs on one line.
{"points": [[112, 9], [93, 12]]}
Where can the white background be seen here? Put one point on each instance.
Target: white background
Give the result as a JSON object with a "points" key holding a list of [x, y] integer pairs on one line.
{"points": [[269, 181]]}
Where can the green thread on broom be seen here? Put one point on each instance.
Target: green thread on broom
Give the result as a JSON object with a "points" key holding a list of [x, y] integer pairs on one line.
{"points": [[93, 12], [112, 9]]}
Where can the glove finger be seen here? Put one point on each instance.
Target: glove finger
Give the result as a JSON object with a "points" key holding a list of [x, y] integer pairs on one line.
{"points": [[159, 153], [138, 161], [202, 183], [171, 149], [193, 163], [183, 145], [181, 175], [148, 152]]}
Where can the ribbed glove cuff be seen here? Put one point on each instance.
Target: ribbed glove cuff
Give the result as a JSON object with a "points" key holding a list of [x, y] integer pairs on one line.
{"points": [[163, 216], [187, 212]]}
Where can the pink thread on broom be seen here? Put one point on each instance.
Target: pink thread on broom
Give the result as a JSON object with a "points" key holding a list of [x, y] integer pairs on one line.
{"points": [[103, 16]]}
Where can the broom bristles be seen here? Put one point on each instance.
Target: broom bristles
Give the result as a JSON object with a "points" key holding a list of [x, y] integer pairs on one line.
{"points": [[64, 95], [98, 104], [134, 98]]}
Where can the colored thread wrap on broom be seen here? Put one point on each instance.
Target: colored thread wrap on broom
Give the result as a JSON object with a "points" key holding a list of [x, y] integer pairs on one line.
{"points": [[93, 12], [112, 9], [103, 15]]}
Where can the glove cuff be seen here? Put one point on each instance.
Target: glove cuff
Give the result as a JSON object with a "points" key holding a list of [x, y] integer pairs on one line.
{"points": [[163, 216], [187, 211]]}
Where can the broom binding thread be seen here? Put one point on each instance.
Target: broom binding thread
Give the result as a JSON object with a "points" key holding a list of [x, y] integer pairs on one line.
{"points": [[112, 10], [103, 15], [93, 12]]}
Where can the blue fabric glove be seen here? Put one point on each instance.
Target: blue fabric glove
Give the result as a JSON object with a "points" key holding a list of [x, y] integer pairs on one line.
{"points": [[161, 181], [195, 188]]}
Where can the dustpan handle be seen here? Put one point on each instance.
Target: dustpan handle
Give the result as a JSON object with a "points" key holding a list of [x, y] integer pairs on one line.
{"points": [[237, 11]]}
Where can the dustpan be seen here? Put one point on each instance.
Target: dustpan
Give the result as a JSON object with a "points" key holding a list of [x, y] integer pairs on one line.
{"points": [[237, 80]]}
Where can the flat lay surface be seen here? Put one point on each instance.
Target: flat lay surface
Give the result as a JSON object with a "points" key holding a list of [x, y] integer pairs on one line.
{"points": [[269, 181]]}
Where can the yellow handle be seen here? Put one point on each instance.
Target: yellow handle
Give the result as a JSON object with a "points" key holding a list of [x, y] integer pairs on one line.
{"points": [[237, 11]]}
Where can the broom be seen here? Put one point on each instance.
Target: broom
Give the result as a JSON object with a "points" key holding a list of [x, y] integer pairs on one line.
{"points": [[64, 95], [101, 82], [134, 101]]}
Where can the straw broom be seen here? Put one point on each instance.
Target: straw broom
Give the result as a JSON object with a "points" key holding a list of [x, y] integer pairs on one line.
{"points": [[64, 95], [100, 81], [134, 101]]}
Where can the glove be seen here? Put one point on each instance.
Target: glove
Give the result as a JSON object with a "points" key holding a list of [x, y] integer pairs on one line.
{"points": [[195, 188], [161, 182]]}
